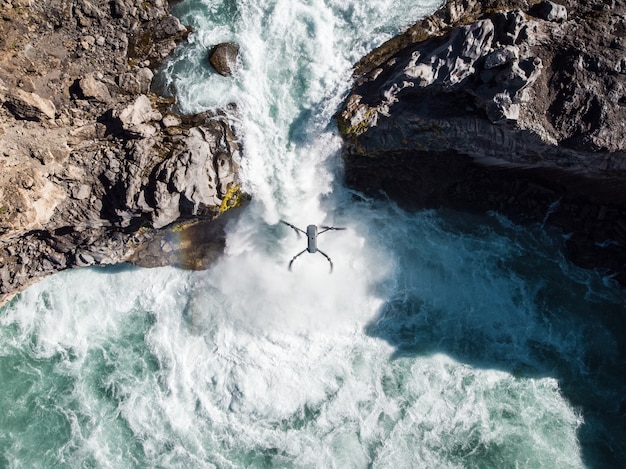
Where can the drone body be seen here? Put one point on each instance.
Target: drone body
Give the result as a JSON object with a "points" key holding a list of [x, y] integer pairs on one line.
{"points": [[311, 234]]}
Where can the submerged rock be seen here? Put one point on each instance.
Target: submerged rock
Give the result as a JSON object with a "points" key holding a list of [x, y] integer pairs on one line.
{"points": [[493, 105]]}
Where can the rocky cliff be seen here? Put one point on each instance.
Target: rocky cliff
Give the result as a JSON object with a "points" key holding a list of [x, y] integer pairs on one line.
{"points": [[510, 105], [94, 166]]}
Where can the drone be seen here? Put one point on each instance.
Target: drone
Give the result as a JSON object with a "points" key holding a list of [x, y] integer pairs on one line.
{"points": [[312, 234]]}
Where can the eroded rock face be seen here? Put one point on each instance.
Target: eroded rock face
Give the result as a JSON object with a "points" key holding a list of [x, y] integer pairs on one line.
{"points": [[92, 164], [502, 105], [476, 71]]}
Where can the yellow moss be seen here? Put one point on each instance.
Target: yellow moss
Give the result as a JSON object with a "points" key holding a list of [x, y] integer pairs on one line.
{"points": [[234, 197], [358, 128], [178, 227]]}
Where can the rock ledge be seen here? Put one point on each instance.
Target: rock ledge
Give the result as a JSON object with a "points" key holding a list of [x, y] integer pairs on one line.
{"points": [[514, 106]]}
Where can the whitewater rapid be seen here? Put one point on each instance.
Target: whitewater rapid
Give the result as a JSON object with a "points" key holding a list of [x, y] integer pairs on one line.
{"points": [[440, 340]]}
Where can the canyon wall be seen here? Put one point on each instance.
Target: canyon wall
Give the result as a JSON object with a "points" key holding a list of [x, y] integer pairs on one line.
{"points": [[514, 106]]}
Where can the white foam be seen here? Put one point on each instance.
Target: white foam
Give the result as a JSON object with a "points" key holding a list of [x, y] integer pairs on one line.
{"points": [[248, 360]]}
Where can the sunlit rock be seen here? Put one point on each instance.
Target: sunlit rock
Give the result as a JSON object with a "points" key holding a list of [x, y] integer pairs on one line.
{"points": [[29, 106], [500, 106], [139, 112], [89, 166], [92, 88]]}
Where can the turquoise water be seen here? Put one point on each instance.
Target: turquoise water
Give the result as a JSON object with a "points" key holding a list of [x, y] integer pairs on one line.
{"points": [[440, 340]]}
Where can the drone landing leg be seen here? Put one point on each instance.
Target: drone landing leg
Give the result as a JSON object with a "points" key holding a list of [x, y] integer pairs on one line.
{"points": [[328, 259], [294, 258]]}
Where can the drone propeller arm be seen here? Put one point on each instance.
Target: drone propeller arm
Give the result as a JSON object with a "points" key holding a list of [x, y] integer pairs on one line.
{"points": [[298, 230], [329, 228]]}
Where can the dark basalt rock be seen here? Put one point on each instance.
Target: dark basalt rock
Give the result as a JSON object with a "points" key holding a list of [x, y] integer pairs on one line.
{"points": [[501, 105], [549, 11]]}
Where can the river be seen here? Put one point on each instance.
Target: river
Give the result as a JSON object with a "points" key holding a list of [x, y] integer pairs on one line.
{"points": [[440, 340]]}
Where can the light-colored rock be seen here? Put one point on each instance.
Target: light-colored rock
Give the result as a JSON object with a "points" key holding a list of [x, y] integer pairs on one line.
{"points": [[137, 81], [171, 120], [197, 171], [501, 108], [137, 113], [87, 42], [81, 192], [29, 202], [92, 88], [168, 205]]}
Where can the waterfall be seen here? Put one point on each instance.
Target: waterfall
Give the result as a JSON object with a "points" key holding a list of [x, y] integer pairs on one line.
{"points": [[441, 339]]}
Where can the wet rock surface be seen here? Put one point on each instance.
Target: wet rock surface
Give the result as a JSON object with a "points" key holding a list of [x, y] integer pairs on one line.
{"points": [[515, 106], [92, 162], [224, 58]]}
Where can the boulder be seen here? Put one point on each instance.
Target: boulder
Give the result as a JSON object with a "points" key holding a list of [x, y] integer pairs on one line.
{"points": [[134, 116], [136, 82], [29, 106], [167, 28], [549, 11], [224, 58], [92, 88], [171, 120]]}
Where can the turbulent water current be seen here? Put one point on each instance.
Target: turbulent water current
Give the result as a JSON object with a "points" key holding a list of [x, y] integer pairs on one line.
{"points": [[441, 339]]}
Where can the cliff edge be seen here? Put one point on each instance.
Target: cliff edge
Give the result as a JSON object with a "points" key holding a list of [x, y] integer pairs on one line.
{"points": [[94, 166], [509, 105]]}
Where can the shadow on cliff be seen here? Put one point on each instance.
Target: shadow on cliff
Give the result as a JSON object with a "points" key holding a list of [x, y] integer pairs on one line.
{"points": [[462, 292]]}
